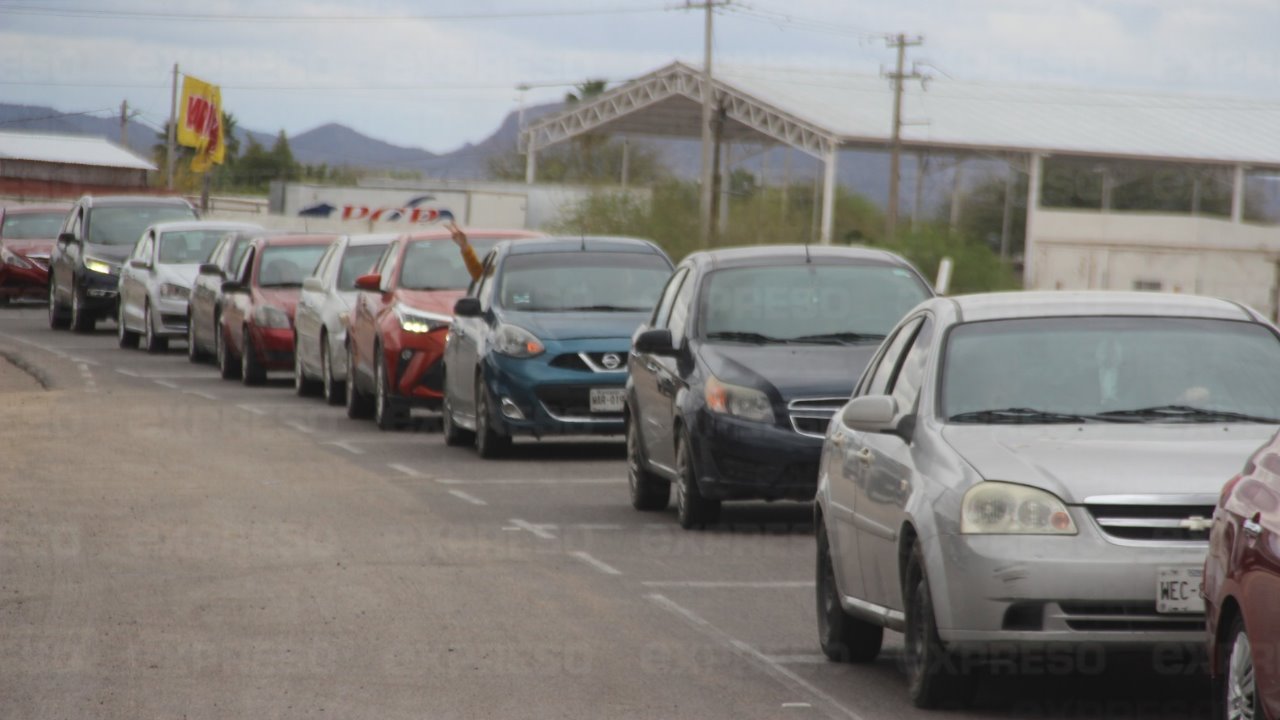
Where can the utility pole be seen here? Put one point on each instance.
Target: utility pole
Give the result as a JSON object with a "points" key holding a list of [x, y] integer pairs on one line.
{"points": [[901, 42], [124, 123], [706, 211], [173, 131]]}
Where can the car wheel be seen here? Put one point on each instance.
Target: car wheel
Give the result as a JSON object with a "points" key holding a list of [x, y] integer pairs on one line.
{"points": [[357, 404], [333, 394], [82, 321], [648, 491], [194, 353], [490, 444], [302, 384], [454, 434], [58, 319], [154, 344], [228, 366], [251, 371], [126, 338], [1237, 696], [843, 638], [388, 412], [692, 509], [935, 678]]}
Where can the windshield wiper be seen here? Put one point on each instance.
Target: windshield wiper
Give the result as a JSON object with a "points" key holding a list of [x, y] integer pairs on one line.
{"points": [[602, 308], [1016, 415], [1186, 412], [843, 338], [747, 337], [280, 285]]}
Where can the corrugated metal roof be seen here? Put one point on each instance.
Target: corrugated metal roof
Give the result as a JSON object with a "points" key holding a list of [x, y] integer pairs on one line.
{"points": [[68, 149], [949, 113]]}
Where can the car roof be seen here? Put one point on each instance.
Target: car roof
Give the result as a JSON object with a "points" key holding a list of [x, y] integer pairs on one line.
{"points": [[765, 254], [204, 225], [1059, 303], [474, 235], [27, 209], [109, 200], [590, 243], [370, 239], [296, 239]]}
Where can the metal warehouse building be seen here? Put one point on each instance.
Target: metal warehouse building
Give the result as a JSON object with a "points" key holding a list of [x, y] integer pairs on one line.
{"points": [[1123, 190], [42, 165]]}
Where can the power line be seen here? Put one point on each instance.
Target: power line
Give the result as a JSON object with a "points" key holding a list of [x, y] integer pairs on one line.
{"points": [[212, 17], [788, 20], [55, 117]]}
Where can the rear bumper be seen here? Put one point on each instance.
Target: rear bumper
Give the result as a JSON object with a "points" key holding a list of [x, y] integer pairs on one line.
{"points": [[742, 460]]}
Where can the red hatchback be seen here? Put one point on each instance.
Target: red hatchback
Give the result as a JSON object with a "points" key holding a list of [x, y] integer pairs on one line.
{"points": [[1241, 585], [402, 320], [255, 321], [27, 235]]}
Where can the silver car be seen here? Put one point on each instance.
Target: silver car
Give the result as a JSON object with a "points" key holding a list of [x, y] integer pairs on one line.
{"points": [[320, 324], [1031, 473], [155, 281]]}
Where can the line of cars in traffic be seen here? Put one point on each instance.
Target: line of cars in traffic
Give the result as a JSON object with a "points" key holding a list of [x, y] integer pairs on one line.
{"points": [[1010, 473]]}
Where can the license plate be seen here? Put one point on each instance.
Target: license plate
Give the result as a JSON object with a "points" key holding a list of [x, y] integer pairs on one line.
{"points": [[1178, 590], [607, 400]]}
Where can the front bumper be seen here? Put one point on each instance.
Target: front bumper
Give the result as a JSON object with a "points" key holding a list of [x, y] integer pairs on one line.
{"points": [[171, 318], [742, 460], [274, 347], [100, 291], [413, 361], [552, 400], [30, 282], [1031, 590]]}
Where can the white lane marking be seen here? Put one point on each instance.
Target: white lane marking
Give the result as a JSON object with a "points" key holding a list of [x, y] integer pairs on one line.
{"points": [[596, 563], [539, 531], [515, 481], [299, 427], [799, 659], [831, 706], [166, 383], [796, 705], [200, 394], [659, 526], [595, 526], [346, 446], [164, 375], [467, 497], [252, 409], [712, 584], [405, 469]]}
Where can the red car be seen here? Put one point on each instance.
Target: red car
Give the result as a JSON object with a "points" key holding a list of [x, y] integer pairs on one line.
{"points": [[1241, 585], [402, 320], [255, 320], [27, 235]]}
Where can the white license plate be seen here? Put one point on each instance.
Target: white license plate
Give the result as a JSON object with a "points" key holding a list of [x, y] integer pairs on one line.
{"points": [[607, 400], [1178, 590]]}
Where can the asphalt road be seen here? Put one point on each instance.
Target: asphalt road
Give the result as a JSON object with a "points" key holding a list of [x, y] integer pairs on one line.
{"points": [[173, 545]]}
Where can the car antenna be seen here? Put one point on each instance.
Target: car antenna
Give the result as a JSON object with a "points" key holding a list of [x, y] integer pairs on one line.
{"points": [[807, 258]]}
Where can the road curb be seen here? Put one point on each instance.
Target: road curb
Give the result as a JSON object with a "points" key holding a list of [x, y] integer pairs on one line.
{"points": [[17, 360]]}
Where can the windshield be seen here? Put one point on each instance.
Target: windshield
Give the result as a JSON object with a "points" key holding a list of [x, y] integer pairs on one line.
{"points": [[583, 281], [33, 226], [807, 303], [124, 225], [438, 265], [287, 265], [356, 261], [1139, 369], [188, 247]]}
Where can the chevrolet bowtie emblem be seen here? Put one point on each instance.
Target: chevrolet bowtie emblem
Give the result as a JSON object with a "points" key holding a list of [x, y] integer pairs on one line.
{"points": [[1195, 523]]}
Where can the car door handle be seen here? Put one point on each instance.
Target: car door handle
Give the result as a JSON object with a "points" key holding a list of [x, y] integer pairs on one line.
{"points": [[864, 455], [1252, 528]]}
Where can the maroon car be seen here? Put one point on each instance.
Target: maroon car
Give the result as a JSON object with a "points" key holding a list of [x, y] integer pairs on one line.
{"points": [[27, 235], [1241, 587], [254, 327]]}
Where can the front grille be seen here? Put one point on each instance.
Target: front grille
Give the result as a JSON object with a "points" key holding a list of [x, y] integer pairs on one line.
{"points": [[570, 401], [1154, 522], [1086, 616], [810, 416], [433, 377], [734, 469], [570, 361]]}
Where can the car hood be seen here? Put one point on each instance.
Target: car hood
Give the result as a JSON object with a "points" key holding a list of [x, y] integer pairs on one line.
{"points": [[284, 298], [184, 275], [30, 247], [1076, 462], [578, 325], [439, 302], [795, 370], [110, 253]]}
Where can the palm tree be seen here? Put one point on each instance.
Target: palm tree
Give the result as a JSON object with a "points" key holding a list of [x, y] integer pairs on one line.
{"points": [[587, 143]]}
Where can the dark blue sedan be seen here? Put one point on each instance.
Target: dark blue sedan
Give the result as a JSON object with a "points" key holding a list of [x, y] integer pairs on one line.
{"points": [[539, 344]]}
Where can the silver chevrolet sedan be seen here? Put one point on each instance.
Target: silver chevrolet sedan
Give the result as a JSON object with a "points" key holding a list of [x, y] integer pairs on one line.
{"points": [[1036, 473], [155, 282]]}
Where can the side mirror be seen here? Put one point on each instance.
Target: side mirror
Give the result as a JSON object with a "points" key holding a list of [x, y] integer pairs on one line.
{"points": [[870, 413], [139, 264], [232, 286], [210, 269], [371, 282], [654, 342], [467, 307], [313, 284], [67, 238]]}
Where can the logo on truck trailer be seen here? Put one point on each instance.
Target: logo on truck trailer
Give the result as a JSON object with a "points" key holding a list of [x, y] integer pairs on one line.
{"points": [[411, 212]]}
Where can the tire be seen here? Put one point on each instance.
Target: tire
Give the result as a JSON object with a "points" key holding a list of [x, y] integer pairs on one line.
{"points": [[692, 509], [228, 366], [194, 353], [151, 342], [1236, 694], [82, 321], [843, 637], [58, 319], [251, 371], [357, 403], [302, 385], [127, 339], [454, 434], [648, 491], [334, 393], [490, 444], [388, 412], [935, 678]]}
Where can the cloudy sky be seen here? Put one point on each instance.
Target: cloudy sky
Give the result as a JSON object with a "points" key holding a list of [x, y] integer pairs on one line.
{"points": [[440, 73]]}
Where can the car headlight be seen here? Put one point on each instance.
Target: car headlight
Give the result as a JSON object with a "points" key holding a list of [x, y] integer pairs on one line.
{"points": [[93, 264], [171, 291], [269, 316], [1000, 508], [417, 321], [742, 402], [9, 257], [516, 342]]}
